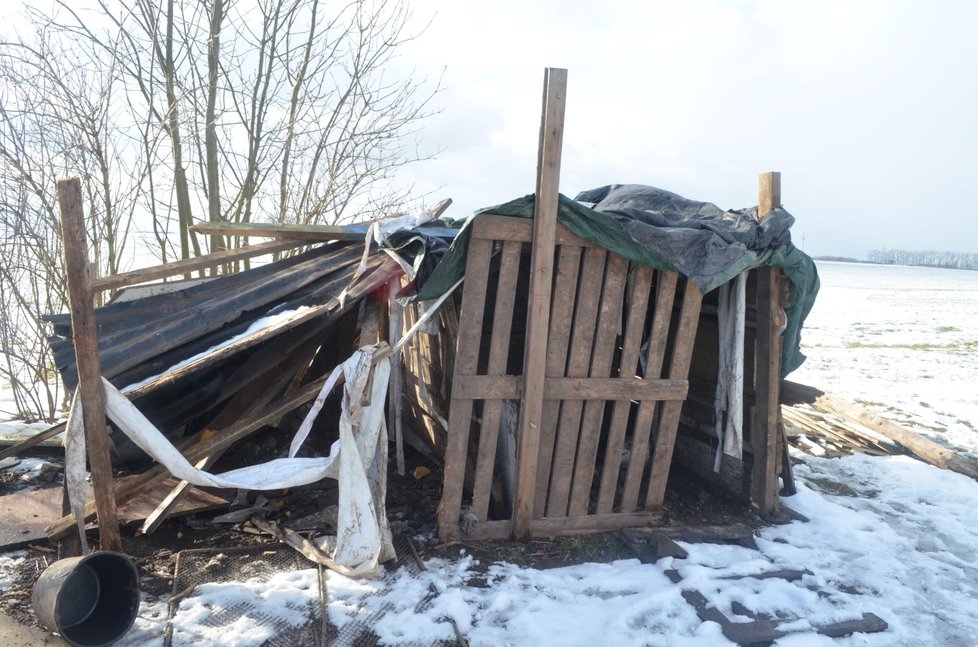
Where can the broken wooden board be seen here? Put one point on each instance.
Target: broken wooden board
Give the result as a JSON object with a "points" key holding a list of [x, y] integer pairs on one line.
{"points": [[652, 544], [762, 629], [24, 515]]}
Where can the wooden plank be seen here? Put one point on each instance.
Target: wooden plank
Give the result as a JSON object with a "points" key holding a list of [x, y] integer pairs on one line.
{"points": [[665, 295], [395, 404], [558, 346], [502, 324], [541, 277], [605, 343], [510, 228], [509, 387], [551, 527], [682, 352], [638, 304], [578, 365], [309, 233], [923, 448], [466, 363], [85, 339], [36, 439], [191, 264], [767, 362]]}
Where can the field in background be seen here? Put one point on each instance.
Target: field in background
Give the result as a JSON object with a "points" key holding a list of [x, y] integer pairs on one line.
{"points": [[903, 341]]}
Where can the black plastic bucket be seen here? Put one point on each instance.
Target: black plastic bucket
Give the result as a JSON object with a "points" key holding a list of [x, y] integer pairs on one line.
{"points": [[91, 600]]}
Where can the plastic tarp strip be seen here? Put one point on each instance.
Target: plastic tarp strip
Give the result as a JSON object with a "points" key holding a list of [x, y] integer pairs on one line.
{"points": [[357, 460]]}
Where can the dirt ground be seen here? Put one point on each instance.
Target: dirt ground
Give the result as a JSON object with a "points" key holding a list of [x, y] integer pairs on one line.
{"points": [[412, 504]]}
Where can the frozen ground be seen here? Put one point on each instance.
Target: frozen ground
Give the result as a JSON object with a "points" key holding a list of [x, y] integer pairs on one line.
{"points": [[901, 340], [891, 536]]}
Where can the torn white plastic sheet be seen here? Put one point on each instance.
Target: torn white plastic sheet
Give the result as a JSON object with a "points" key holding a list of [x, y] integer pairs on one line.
{"points": [[728, 406], [357, 460], [75, 453]]}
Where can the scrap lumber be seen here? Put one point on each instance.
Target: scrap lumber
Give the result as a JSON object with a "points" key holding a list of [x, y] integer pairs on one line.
{"points": [[85, 339], [191, 264], [541, 276], [924, 449], [308, 233]]}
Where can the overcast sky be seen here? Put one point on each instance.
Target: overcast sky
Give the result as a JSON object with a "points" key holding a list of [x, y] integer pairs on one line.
{"points": [[869, 109]]}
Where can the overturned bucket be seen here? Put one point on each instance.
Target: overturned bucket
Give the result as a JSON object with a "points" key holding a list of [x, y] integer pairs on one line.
{"points": [[91, 600]]}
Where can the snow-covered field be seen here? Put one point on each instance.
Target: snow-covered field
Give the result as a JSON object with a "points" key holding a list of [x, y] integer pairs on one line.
{"points": [[890, 536], [902, 341]]}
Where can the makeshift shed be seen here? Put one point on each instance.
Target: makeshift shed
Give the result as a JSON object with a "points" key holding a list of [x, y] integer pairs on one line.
{"points": [[555, 386]]}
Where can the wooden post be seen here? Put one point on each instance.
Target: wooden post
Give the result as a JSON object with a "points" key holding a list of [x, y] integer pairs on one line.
{"points": [[541, 277], [85, 338], [767, 368], [395, 409]]}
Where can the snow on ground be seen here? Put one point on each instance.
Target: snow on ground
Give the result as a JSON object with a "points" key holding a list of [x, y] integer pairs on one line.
{"points": [[890, 536], [901, 340]]}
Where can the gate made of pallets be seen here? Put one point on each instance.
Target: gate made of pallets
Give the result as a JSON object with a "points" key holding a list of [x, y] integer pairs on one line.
{"points": [[618, 348]]}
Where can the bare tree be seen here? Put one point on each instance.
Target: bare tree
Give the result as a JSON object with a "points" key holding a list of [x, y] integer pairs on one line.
{"points": [[270, 110]]}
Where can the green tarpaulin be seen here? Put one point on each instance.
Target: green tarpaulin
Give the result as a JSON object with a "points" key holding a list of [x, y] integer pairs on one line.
{"points": [[608, 232]]}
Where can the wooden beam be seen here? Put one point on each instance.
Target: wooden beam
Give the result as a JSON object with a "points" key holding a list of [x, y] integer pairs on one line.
{"points": [[191, 264], [767, 369], [85, 339], [541, 277]]}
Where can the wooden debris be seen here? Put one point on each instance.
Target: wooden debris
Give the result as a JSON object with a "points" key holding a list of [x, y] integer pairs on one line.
{"points": [[652, 544], [924, 449]]}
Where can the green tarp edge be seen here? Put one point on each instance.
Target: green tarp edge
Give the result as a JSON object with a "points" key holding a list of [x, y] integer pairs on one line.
{"points": [[605, 231]]}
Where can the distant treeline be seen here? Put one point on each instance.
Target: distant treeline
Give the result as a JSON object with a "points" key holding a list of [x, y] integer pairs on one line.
{"points": [[953, 260]]}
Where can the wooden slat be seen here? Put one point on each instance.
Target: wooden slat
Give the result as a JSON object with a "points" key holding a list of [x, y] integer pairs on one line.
{"points": [[551, 527], [561, 319], [395, 388], [541, 276], [460, 413], [605, 342], [191, 264], [502, 323], [582, 342], [631, 346], [311, 233], [509, 387], [665, 441], [507, 228], [85, 339], [642, 428]]}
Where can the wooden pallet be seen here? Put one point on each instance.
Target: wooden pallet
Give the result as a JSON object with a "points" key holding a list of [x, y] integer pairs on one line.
{"points": [[596, 399]]}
